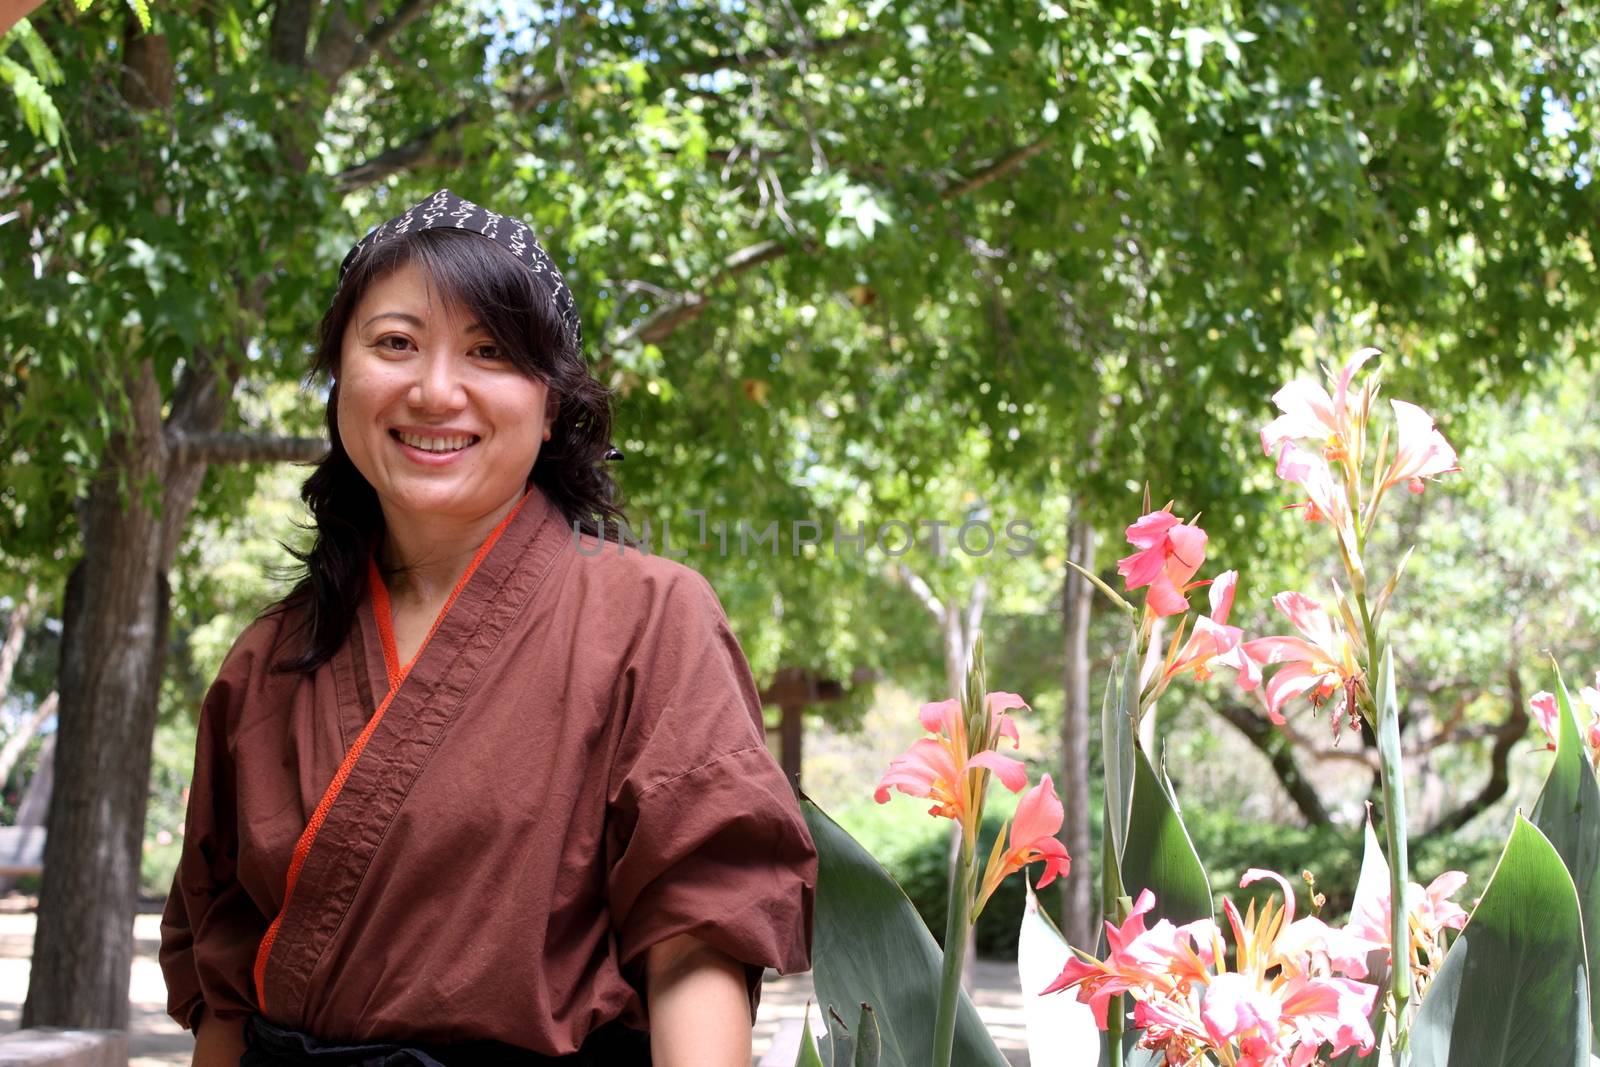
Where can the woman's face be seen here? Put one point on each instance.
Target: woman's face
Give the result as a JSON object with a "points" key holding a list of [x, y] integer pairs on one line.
{"points": [[434, 415]]}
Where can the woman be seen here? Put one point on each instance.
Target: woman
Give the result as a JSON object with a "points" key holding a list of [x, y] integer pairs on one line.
{"points": [[482, 788]]}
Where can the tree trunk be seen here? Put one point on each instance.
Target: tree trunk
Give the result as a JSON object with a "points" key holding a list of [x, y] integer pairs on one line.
{"points": [[113, 637], [1080, 916]]}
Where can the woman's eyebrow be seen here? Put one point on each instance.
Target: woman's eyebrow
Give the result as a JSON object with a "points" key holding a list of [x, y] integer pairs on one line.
{"points": [[406, 317]]}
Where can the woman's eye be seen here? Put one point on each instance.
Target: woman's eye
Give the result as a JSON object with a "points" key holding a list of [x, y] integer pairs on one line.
{"points": [[383, 342], [486, 352]]}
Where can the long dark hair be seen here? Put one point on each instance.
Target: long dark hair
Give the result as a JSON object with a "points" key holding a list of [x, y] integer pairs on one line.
{"points": [[479, 276]]}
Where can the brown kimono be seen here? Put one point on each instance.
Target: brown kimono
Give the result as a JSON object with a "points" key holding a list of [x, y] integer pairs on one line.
{"points": [[483, 844]]}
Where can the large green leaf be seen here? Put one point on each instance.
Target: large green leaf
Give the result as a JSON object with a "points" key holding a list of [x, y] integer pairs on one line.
{"points": [[1117, 742], [871, 947], [1158, 855], [1568, 813], [1513, 991]]}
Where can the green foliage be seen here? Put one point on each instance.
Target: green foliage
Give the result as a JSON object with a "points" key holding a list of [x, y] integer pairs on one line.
{"points": [[1568, 814], [1513, 990], [1158, 855], [870, 947]]}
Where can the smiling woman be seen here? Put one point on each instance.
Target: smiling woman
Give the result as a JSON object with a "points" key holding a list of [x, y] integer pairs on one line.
{"points": [[438, 814]]}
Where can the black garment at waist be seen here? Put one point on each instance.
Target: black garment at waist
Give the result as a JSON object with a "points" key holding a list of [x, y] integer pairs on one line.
{"points": [[270, 1045]]}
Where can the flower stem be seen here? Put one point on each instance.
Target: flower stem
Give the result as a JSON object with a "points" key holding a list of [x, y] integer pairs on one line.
{"points": [[1110, 894], [955, 951]]}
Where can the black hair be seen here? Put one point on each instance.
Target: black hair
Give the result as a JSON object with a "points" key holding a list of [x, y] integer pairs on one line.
{"points": [[477, 275]]}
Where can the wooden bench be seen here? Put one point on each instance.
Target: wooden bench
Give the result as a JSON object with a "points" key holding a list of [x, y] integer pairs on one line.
{"points": [[21, 850]]}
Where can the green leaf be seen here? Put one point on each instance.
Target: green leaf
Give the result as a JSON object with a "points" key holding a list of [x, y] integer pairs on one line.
{"points": [[808, 1044], [1116, 734], [841, 1042], [869, 1043], [1568, 813], [141, 10], [1159, 855], [1513, 991], [870, 946]]}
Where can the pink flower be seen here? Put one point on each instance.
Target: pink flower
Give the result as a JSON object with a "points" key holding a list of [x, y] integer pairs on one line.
{"points": [[942, 768], [1543, 706], [1153, 960], [1319, 663], [1325, 499], [1170, 552], [1545, 713], [1276, 1008], [1032, 838], [1310, 414], [1214, 643], [1430, 912], [1421, 451]]}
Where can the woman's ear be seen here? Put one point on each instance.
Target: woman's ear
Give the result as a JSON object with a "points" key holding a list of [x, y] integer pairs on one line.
{"points": [[552, 408]]}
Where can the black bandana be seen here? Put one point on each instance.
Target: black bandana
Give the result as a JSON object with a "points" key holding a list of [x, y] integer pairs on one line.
{"points": [[444, 208]]}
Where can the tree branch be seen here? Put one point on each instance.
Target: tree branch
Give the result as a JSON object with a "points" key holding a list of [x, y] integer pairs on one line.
{"points": [[686, 307], [1276, 746], [923, 592], [1505, 735], [243, 448], [420, 150], [998, 169]]}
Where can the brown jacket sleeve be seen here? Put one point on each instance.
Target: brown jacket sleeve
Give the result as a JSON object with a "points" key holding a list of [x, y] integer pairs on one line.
{"points": [[705, 836], [211, 926]]}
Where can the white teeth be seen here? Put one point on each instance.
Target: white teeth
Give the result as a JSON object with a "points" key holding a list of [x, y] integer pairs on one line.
{"points": [[434, 444]]}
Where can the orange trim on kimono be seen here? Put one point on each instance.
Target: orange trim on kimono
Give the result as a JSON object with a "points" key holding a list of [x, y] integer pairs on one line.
{"points": [[381, 608]]}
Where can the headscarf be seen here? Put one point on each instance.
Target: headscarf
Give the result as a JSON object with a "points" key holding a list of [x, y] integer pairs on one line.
{"points": [[444, 208]]}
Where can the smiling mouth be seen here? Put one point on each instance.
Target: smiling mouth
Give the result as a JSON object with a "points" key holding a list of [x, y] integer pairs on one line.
{"points": [[439, 446]]}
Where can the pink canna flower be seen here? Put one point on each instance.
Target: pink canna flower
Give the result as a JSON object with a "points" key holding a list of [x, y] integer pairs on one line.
{"points": [[1421, 452], [1310, 414], [1153, 961], [1032, 838], [1277, 1008], [1543, 706], [1545, 713], [1325, 499], [1589, 696], [1320, 662], [941, 767], [1430, 913], [1214, 643], [1170, 552]]}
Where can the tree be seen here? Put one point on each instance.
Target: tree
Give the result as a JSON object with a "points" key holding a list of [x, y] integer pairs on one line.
{"points": [[818, 246]]}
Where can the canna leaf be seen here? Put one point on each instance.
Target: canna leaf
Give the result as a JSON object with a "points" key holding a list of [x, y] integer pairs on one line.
{"points": [[808, 1044], [1117, 742], [1568, 813], [1514, 990], [870, 946], [1159, 856]]}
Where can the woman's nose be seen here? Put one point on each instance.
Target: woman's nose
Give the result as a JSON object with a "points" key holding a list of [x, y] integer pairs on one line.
{"points": [[438, 384]]}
